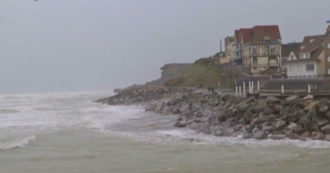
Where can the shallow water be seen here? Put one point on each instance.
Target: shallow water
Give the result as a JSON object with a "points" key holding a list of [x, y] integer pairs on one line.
{"points": [[67, 132]]}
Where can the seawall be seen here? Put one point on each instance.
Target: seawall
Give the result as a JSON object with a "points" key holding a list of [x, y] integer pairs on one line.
{"points": [[226, 115]]}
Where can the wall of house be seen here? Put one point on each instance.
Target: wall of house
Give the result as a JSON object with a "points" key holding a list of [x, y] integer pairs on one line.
{"points": [[263, 61], [323, 69], [226, 60], [229, 48], [298, 69], [327, 51]]}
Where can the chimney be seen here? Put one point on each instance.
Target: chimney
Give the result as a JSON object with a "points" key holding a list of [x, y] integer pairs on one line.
{"points": [[220, 45]]}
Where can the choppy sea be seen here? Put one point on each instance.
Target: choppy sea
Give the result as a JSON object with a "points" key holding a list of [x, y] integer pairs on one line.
{"points": [[69, 133]]}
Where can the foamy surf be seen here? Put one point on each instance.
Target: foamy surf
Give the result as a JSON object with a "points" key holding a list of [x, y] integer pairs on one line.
{"points": [[48, 113], [58, 132], [199, 138], [19, 143]]}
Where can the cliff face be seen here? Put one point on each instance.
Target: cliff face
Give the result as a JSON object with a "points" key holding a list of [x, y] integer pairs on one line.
{"points": [[169, 71]]}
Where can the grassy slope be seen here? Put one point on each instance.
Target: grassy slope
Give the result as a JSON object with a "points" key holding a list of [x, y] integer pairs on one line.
{"points": [[204, 74]]}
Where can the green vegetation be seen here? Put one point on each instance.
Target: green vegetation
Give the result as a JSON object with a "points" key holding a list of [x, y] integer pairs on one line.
{"points": [[204, 73]]}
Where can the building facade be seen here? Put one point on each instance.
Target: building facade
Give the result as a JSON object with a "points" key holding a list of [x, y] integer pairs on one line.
{"points": [[259, 49], [312, 59], [228, 54], [326, 47]]}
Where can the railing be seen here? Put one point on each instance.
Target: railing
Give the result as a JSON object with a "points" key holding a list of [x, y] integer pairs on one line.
{"points": [[306, 77]]}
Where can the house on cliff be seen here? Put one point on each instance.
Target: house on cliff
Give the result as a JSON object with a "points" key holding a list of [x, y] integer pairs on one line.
{"points": [[258, 49], [228, 54], [311, 59]]}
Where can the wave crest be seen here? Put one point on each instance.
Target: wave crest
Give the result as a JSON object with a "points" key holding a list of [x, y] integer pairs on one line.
{"points": [[17, 143]]}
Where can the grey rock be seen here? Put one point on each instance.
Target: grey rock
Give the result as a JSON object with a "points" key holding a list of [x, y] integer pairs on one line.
{"points": [[181, 123], [267, 110], [260, 106], [326, 129], [280, 124], [323, 108], [322, 121], [260, 135], [308, 97], [277, 109], [271, 99], [295, 127], [306, 134], [247, 136], [328, 115], [291, 99], [327, 138], [318, 136], [267, 128], [277, 137]]}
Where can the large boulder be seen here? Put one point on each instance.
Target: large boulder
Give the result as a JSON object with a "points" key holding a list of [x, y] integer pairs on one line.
{"points": [[326, 129], [273, 100], [260, 106], [322, 107], [277, 137], [260, 135], [247, 136], [327, 138], [295, 127], [280, 124], [291, 99], [308, 97], [267, 128], [181, 123], [311, 105], [328, 115]]}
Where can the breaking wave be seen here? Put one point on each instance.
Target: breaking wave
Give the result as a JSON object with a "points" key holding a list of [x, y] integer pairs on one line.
{"points": [[19, 143]]}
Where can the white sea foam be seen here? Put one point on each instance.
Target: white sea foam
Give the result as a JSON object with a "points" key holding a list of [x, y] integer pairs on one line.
{"points": [[42, 113], [16, 143], [199, 138]]}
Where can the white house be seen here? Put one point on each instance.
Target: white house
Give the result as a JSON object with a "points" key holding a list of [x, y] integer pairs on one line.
{"points": [[308, 61]]}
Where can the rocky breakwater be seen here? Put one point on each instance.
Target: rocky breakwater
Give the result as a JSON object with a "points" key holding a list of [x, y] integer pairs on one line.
{"points": [[225, 115]]}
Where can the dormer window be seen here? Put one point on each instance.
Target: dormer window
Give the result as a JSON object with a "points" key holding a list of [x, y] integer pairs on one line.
{"points": [[292, 57], [311, 40], [305, 55]]}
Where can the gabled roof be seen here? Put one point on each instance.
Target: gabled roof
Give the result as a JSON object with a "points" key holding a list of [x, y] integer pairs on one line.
{"points": [[258, 33], [315, 49], [311, 43], [288, 48]]}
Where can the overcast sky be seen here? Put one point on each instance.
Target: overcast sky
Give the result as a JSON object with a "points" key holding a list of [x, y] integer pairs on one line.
{"points": [[68, 45]]}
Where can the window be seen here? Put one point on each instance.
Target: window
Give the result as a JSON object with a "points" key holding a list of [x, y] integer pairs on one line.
{"points": [[255, 60], [328, 58], [273, 61], [328, 70], [304, 55], [328, 45], [309, 67], [254, 51], [292, 57], [272, 51]]}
